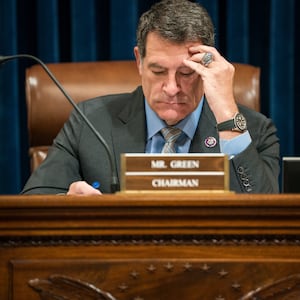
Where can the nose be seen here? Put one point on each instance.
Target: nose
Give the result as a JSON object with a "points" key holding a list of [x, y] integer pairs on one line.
{"points": [[171, 86]]}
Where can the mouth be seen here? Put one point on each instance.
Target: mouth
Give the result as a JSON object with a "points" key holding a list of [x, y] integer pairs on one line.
{"points": [[172, 102]]}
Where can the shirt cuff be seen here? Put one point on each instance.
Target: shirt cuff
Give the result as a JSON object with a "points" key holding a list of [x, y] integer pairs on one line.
{"points": [[236, 145]]}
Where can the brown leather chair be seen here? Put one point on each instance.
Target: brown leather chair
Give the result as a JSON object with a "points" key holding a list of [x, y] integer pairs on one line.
{"points": [[48, 109]]}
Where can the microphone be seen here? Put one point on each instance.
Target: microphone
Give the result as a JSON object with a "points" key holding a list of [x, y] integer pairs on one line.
{"points": [[115, 186]]}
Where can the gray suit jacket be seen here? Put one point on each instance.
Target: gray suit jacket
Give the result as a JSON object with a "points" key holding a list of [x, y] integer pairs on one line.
{"points": [[76, 153]]}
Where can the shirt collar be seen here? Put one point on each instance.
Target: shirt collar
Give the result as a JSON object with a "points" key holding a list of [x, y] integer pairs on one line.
{"points": [[187, 125]]}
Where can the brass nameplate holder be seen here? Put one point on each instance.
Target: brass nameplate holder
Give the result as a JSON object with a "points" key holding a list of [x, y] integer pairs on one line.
{"points": [[141, 172]]}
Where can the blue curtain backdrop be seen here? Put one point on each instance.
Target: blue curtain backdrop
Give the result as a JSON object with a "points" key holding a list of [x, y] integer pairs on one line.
{"points": [[259, 32]]}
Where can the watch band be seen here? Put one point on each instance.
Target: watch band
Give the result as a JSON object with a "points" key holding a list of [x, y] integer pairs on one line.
{"points": [[226, 125], [238, 123]]}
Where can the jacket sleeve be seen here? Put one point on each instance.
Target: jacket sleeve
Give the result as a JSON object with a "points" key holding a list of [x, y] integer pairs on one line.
{"points": [[60, 167], [257, 168]]}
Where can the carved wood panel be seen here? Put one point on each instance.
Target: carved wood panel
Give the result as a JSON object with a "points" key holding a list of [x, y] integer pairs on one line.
{"points": [[155, 279], [150, 247]]}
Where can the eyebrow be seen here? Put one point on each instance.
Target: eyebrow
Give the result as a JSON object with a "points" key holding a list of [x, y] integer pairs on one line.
{"points": [[155, 65]]}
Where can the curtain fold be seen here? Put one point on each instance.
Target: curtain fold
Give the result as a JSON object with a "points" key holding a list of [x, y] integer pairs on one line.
{"points": [[258, 32], [83, 30], [281, 71], [10, 146], [47, 30], [123, 29], [237, 28]]}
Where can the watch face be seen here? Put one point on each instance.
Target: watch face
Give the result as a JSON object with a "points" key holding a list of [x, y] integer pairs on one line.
{"points": [[240, 122]]}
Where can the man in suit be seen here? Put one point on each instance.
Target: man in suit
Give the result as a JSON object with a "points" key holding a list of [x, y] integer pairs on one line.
{"points": [[186, 84]]}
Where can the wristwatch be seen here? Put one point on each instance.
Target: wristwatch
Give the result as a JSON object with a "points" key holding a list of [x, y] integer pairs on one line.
{"points": [[238, 123]]}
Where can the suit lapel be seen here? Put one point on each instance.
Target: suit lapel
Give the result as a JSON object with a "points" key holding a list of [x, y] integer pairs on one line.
{"points": [[129, 130], [206, 139]]}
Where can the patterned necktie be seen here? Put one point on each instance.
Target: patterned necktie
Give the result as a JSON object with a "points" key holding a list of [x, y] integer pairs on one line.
{"points": [[171, 134]]}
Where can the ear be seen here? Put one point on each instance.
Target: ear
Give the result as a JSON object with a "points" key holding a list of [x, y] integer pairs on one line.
{"points": [[138, 59]]}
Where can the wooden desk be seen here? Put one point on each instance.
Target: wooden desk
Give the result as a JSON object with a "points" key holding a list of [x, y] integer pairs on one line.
{"points": [[150, 247]]}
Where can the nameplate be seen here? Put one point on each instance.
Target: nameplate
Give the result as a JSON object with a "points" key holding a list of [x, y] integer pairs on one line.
{"points": [[180, 172]]}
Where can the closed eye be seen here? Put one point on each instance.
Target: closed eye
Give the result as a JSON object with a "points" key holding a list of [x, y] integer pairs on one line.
{"points": [[187, 73], [161, 72]]}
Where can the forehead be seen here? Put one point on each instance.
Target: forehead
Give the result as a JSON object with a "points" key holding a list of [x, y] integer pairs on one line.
{"points": [[158, 47]]}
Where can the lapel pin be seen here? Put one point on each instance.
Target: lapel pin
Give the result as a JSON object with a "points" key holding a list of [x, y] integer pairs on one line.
{"points": [[210, 142]]}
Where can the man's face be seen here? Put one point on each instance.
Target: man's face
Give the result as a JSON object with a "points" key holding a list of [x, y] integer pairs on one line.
{"points": [[172, 90]]}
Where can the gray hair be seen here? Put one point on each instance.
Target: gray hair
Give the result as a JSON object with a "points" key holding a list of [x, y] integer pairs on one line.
{"points": [[177, 21]]}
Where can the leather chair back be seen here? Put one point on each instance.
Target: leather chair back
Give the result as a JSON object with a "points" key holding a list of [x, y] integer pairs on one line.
{"points": [[48, 109]]}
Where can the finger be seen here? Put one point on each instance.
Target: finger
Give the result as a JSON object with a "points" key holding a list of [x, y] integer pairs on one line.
{"points": [[82, 188], [196, 66], [198, 52], [203, 49]]}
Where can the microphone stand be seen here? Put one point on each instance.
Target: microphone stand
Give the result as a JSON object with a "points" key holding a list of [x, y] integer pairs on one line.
{"points": [[115, 186]]}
